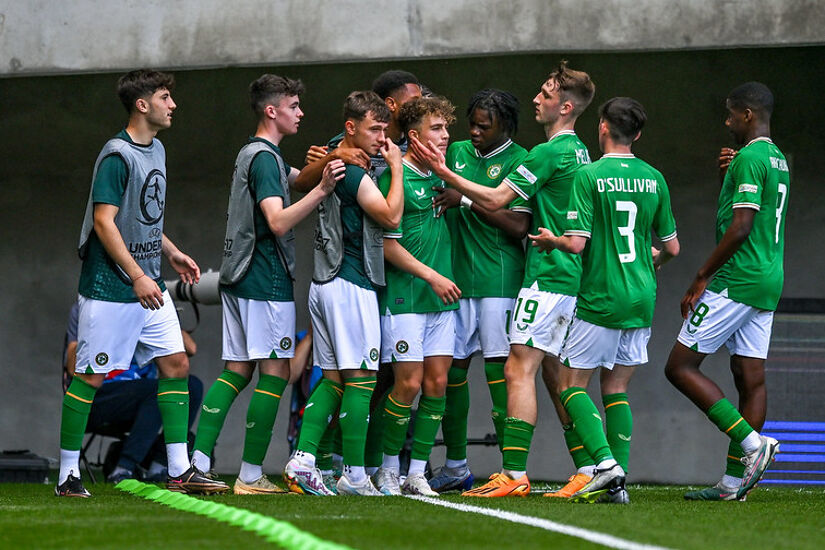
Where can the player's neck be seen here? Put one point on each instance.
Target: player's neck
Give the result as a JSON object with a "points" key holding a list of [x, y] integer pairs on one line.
{"points": [[561, 125], [268, 132], [348, 142], [611, 148], [139, 131], [410, 158], [758, 131]]}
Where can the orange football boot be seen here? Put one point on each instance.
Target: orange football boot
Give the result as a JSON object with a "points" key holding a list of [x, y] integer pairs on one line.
{"points": [[501, 485], [574, 483]]}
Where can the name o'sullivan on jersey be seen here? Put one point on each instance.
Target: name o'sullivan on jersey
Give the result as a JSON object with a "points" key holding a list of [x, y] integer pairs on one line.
{"points": [[626, 185]]}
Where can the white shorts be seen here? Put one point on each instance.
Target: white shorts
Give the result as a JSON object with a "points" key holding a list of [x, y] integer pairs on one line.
{"points": [[481, 324], [109, 334], [590, 346], [414, 336], [257, 329], [717, 320], [346, 331], [541, 319]]}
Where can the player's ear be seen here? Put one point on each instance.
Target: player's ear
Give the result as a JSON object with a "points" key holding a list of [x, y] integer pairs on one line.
{"points": [[638, 135], [269, 111], [142, 105], [349, 127]]}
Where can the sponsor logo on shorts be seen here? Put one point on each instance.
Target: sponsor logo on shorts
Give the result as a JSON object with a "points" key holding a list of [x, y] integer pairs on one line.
{"points": [[494, 171], [373, 354], [402, 346], [101, 359], [286, 342]]}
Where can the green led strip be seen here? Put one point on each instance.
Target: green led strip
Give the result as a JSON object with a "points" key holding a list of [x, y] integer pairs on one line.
{"points": [[280, 532]]}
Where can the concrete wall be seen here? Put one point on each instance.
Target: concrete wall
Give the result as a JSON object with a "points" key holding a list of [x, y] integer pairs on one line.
{"points": [[45, 36], [53, 128]]}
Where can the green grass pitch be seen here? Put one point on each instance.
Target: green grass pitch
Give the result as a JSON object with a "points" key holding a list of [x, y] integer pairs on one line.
{"points": [[772, 517]]}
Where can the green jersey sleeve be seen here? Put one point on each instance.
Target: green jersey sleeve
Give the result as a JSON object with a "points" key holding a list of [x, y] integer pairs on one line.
{"points": [[664, 224], [265, 177], [580, 211], [531, 174], [110, 181], [749, 175]]}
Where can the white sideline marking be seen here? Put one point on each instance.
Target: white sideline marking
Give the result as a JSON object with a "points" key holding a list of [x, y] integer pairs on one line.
{"points": [[586, 534]]}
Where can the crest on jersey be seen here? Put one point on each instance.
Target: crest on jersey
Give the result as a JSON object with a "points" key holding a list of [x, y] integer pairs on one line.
{"points": [[101, 359], [286, 343], [493, 171], [373, 354]]}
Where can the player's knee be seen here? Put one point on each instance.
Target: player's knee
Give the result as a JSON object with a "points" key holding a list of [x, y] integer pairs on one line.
{"points": [[435, 385], [173, 366], [407, 388]]}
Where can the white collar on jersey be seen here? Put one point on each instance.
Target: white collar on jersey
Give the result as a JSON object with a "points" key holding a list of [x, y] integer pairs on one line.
{"points": [[760, 138], [412, 167], [618, 156], [495, 151], [562, 133]]}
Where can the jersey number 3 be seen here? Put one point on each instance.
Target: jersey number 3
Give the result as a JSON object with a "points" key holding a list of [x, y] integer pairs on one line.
{"points": [[627, 230]]}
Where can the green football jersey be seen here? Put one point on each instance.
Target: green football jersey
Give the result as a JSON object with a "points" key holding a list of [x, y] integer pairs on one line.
{"points": [[757, 178], [486, 261], [615, 203], [546, 177], [422, 235], [266, 278]]}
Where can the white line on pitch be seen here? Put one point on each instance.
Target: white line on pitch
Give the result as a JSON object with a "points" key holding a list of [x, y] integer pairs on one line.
{"points": [[586, 534]]}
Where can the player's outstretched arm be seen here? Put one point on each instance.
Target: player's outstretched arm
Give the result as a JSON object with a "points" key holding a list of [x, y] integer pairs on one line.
{"points": [[386, 211], [733, 238], [491, 198], [311, 174], [515, 224], [147, 291], [398, 256], [281, 220], [546, 241], [185, 266]]}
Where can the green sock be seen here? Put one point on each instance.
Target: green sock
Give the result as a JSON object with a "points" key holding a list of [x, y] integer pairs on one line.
{"points": [[323, 460], [498, 393], [454, 425], [586, 422], [173, 402], [319, 409], [260, 417], [727, 419], [427, 420], [734, 466], [518, 435], [215, 406], [374, 451], [619, 422], [396, 421], [76, 406], [355, 409], [574, 446]]}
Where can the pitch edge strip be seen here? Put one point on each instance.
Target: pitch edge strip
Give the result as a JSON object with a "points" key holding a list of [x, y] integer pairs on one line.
{"points": [[578, 532], [272, 530]]}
